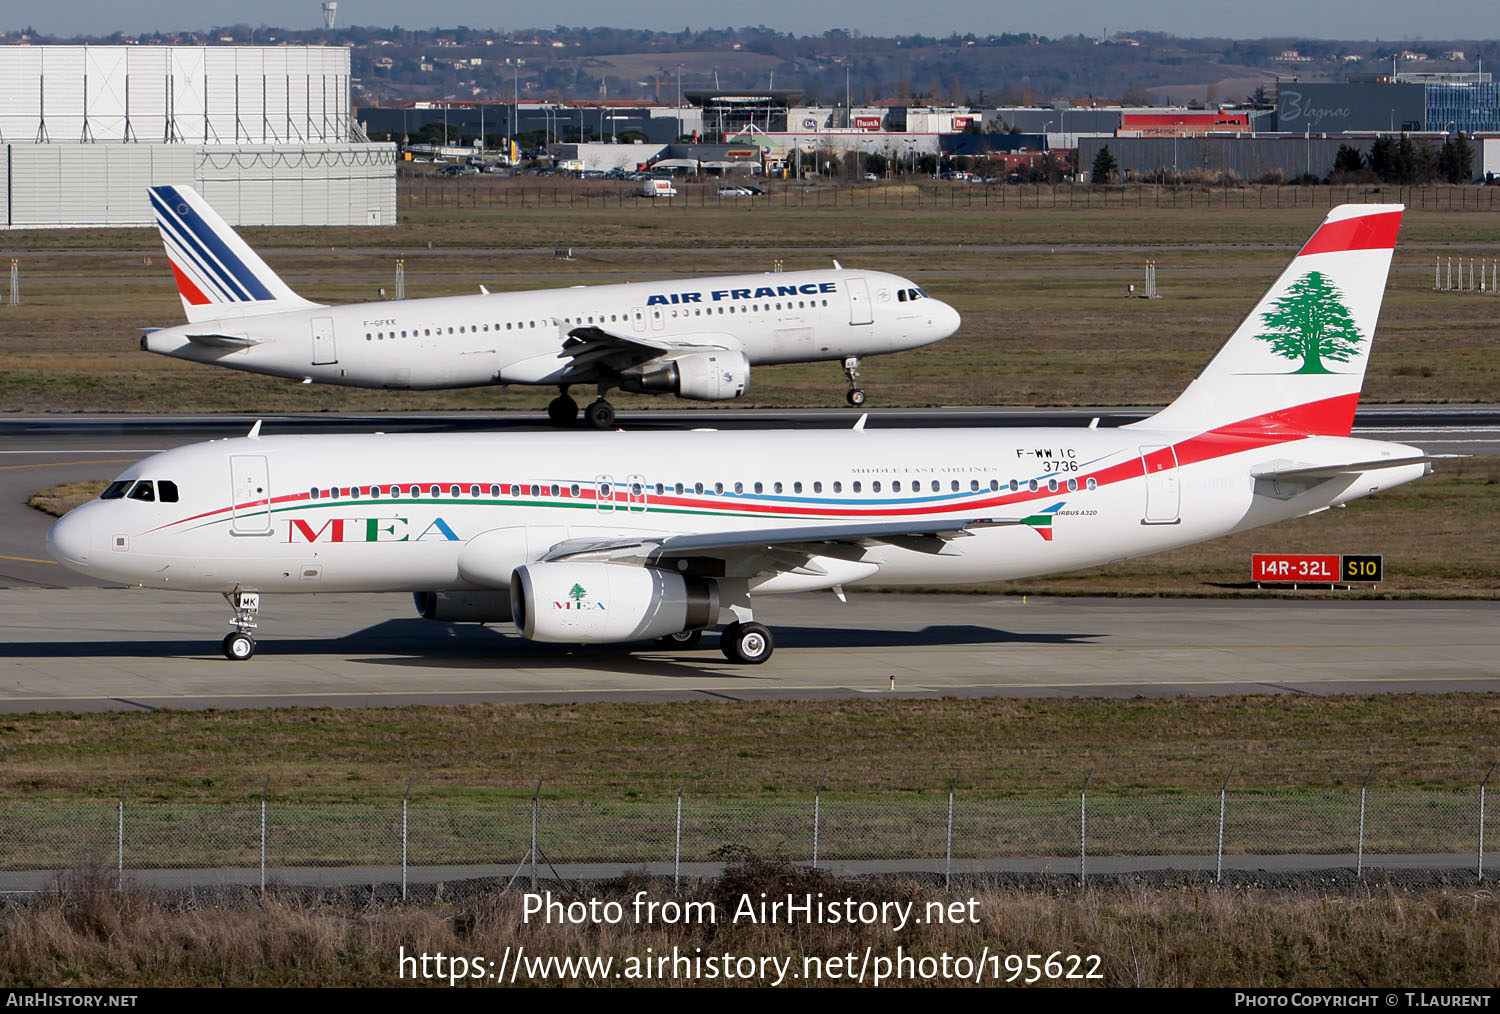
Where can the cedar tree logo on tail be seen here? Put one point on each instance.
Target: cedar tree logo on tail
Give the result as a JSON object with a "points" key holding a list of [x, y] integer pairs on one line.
{"points": [[1311, 323]]}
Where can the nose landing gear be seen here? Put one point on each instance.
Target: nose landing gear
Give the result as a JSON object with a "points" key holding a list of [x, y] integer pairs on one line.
{"points": [[856, 395], [239, 644]]}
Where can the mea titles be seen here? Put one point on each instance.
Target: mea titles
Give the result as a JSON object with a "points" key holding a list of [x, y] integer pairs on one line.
{"points": [[792, 910]]}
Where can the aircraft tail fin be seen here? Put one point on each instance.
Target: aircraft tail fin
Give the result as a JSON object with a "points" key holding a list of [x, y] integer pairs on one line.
{"points": [[1297, 362], [217, 273]]}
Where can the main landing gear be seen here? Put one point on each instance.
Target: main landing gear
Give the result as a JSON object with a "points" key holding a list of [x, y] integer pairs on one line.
{"points": [[856, 395], [239, 644], [749, 643], [563, 411]]}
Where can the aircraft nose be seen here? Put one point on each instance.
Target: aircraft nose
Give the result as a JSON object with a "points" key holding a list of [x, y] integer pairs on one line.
{"points": [[946, 321], [70, 540]]}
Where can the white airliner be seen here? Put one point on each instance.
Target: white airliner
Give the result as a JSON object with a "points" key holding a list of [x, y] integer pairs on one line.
{"points": [[695, 338], [618, 537]]}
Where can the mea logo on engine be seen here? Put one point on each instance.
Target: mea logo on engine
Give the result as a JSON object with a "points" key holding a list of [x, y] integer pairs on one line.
{"points": [[577, 600]]}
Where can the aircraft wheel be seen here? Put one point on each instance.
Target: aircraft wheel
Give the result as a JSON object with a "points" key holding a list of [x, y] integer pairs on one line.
{"points": [[856, 397], [562, 410], [748, 643], [237, 646], [685, 640], [601, 415]]}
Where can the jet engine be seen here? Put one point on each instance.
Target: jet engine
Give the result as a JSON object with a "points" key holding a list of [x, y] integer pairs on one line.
{"points": [[464, 606], [701, 376], [598, 603]]}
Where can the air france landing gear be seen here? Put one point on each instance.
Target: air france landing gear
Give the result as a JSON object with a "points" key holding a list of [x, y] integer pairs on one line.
{"points": [[748, 643], [856, 395], [562, 410], [600, 415], [239, 644]]}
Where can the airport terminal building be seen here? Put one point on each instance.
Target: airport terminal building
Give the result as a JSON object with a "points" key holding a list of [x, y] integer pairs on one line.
{"points": [[265, 133]]}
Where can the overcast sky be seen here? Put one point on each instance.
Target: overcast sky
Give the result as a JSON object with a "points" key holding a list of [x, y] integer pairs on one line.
{"points": [[1337, 19]]}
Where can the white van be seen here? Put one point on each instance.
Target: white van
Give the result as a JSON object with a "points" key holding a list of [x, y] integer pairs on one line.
{"points": [[658, 188]]}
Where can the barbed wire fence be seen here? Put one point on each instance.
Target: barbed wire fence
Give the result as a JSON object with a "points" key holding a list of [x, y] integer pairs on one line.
{"points": [[261, 839]]}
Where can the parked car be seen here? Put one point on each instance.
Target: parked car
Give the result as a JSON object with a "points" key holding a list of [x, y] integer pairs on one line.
{"points": [[734, 191], [658, 188]]}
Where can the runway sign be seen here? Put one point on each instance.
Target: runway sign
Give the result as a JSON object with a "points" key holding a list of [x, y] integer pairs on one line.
{"points": [[1270, 568]]}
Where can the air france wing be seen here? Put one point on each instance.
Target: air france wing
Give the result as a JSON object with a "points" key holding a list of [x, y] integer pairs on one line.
{"points": [[591, 346]]}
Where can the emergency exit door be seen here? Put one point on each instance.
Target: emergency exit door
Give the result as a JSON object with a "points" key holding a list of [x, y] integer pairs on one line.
{"points": [[324, 353]]}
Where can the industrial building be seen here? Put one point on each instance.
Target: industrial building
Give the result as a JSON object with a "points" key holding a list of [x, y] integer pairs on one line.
{"points": [[264, 132]]}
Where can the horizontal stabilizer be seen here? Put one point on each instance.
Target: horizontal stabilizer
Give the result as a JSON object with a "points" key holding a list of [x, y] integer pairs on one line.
{"points": [[223, 341], [1349, 468]]}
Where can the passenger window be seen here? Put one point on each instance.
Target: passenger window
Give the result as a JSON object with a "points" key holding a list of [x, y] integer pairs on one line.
{"points": [[896, 486], [719, 488], [838, 487], [776, 487], [453, 491], [953, 487], [661, 489], [739, 487], [573, 489], [143, 490], [817, 487], [555, 489], [1014, 485], [1072, 485], [994, 485], [1093, 484], [698, 488], [797, 487], [856, 486], [875, 486], [115, 490], [1051, 485], [973, 485], [759, 487], [677, 489], [474, 490], [494, 489], [1032, 485]]}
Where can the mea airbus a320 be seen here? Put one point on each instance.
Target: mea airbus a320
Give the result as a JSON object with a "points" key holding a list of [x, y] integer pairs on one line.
{"points": [[619, 537], [695, 338]]}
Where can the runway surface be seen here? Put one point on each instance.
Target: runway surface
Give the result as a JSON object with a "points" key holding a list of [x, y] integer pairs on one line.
{"points": [[113, 649]]}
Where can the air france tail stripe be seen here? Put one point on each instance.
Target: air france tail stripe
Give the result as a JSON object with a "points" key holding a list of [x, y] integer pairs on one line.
{"points": [[190, 292], [207, 279], [199, 257], [225, 256]]}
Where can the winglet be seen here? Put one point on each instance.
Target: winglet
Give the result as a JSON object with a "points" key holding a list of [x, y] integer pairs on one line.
{"points": [[254, 433], [859, 427]]}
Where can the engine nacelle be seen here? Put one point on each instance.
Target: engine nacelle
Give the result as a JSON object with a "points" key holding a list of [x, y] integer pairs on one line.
{"points": [[600, 603], [464, 606], [701, 376]]}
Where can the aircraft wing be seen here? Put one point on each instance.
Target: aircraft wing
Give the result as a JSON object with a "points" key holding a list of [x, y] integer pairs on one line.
{"points": [[591, 346], [774, 549]]}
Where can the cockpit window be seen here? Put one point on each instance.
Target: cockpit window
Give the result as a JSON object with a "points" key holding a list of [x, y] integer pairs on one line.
{"points": [[168, 490], [115, 490], [901, 295], [143, 490]]}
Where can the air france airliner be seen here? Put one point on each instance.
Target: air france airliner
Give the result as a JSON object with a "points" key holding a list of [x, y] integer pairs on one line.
{"points": [[695, 338], [623, 537]]}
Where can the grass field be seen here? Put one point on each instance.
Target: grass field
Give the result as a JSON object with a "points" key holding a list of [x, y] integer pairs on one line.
{"points": [[1041, 291], [1039, 749]]}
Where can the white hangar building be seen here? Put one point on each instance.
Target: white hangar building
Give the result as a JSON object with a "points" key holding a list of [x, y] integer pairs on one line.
{"points": [[265, 133]]}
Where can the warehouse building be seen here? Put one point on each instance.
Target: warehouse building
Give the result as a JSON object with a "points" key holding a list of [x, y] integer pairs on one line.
{"points": [[265, 133]]}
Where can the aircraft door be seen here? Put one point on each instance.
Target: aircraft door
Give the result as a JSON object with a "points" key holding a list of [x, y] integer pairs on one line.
{"points": [[638, 319], [324, 353], [1163, 491], [658, 322], [636, 492], [250, 486], [604, 493], [860, 311]]}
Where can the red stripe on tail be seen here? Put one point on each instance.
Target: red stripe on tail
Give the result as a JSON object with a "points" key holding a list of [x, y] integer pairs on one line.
{"points": [[1367, 232], [190, 292]]}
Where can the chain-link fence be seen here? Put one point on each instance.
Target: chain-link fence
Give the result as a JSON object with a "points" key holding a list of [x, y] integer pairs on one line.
{"points": [[942, 833]]}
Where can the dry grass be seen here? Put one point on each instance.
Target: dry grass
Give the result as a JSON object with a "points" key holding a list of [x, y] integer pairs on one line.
{"points": [[483, 755], [58, 500], [1182, 934]]}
